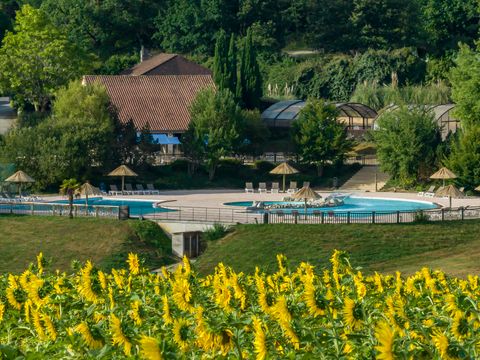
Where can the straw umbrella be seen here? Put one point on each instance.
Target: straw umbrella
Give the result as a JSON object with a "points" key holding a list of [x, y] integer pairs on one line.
{"points": [[123, 171], [477, 188], [20, 178], [450, 191], [88, 189], [443, 174], [284, 169], [306, 193]]}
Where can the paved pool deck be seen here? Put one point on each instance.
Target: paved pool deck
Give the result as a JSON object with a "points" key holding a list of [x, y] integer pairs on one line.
{"points": [[217, 198]]}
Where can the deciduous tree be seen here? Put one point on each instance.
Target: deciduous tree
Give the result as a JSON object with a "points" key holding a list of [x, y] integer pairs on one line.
{"points": [[318, 136]]}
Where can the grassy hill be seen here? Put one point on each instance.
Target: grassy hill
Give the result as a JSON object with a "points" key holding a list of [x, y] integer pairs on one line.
{"points": [[451, 246], [62, 240]]}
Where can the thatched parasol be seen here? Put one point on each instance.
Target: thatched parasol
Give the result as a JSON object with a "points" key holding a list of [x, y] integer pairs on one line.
{"points": [[306, 193], [88, 189], [20, 178], [477, 188], [123, 171], [450, 191], [443, 174], [284, 169]]}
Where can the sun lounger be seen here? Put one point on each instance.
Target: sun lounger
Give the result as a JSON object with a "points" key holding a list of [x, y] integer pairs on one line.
{"points": [[306, 184], [293, 187], [249, 188], [262, 187], [129, 190], [275, 188], [430, 192], [430, 189], [141, 190], [152, 189], [114, 190]]}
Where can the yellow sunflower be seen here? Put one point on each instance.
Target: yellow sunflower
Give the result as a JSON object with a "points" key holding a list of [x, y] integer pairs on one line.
{"points": [[149, 348], [88, 337], [385, 336], [133, 264], [118, 337], [180, 333], [259, 342], [352, 314]]}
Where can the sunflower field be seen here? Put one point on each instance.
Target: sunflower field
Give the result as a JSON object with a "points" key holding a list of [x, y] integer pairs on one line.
{"points": [[304, 313]]}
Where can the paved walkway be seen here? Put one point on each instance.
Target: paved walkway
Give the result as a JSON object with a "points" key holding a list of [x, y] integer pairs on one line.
{"points": [[7, 115], [217, 198], [364, 180]]}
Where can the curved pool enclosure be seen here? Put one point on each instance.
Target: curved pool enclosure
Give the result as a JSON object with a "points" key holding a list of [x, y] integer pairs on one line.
{"points": [[351, 204]]}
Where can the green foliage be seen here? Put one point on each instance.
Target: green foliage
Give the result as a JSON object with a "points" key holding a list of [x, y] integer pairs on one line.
{"points": [[107, 27], [115, 64], [255, 133], [319, 137], [220, 62], [150, 233], [37, 58], [78, 137], [215, 128], [448, 22], [249, 88], [465, 77], [407, 140], [464, 159], [379, 96], [216, 232]]}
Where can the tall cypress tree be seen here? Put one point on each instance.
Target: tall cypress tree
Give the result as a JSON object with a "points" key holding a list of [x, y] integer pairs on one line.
{"points": [[220, 62], [232, 65], [250, 78]]}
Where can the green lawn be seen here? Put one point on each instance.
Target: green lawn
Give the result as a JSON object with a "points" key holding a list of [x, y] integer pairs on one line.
{"points": [[451, 246], [62, 240]]}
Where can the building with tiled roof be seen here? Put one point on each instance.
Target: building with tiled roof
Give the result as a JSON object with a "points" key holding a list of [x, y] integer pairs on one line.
{"points": [[167, 64], [162, 101]]}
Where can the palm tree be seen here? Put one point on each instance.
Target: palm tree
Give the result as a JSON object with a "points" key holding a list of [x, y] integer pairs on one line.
{"points": [[68, 187]]}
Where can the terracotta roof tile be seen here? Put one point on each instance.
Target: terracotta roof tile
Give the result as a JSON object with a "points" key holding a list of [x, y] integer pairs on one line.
{"points": [[160, 100], [167, 64]]}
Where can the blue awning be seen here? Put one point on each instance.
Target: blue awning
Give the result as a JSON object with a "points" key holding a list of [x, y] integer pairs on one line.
{"points": [[164, 139]]}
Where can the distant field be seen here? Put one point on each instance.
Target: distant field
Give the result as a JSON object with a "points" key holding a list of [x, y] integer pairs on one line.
{"points": [[62, 240], [451, 246]]}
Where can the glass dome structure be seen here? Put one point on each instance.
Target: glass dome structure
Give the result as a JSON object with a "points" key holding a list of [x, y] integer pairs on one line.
{"points": [[356, 116]]}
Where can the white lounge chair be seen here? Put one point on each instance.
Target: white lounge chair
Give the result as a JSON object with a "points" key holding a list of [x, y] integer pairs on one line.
{"points": [[249, 188], [430, 192], [152, 189], [129, 190], [114, 190], [275, 188], [141, 190], [430, 189], [262, 187], [306, 184], [292, 189]]}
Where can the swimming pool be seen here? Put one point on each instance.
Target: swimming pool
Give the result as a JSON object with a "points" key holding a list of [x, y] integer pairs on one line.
{"points": [[351, 204], [137, 207]]}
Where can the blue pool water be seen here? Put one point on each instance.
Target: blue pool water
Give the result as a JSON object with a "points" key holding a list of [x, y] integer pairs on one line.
{"points": [[352, 204], [137, 207]]}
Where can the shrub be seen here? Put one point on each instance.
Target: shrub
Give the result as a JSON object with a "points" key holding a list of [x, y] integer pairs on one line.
{"points": [[216, 232], [152, 234]]}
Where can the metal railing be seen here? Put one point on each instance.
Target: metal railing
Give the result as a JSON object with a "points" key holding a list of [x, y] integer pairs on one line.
{"points": [[210, 215], [365, 160], [240, 216], [55, 209]]}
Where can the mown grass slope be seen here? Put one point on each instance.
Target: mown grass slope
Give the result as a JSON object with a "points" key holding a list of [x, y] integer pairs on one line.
{"points": [[62, 240], [450, 246]]}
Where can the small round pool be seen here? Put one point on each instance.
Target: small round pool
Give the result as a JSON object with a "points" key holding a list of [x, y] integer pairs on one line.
{"points": [[351, 204]]}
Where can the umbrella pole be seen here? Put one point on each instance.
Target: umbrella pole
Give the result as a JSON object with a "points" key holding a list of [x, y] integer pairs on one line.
{"points": [[450, 198], [284, 182], [86, 201], [20, 189], [305, 209], [123, 184]]}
